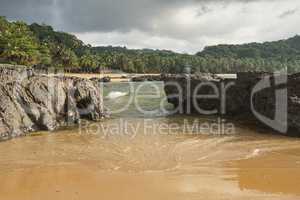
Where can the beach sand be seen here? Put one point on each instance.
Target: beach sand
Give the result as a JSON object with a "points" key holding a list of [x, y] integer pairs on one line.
{"points": [[115, 77]]}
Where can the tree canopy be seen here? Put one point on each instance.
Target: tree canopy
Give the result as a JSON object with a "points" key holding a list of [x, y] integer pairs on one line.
{"points": [[41, 46]]}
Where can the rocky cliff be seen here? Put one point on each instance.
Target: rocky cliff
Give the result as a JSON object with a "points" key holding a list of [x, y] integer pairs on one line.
{"points": [[272, 99], [31, 102]]}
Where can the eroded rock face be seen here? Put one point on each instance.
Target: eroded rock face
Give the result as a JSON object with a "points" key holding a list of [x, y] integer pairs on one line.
{"points": [[146, 78], [233, 97], [105, 79], [30, 102]]}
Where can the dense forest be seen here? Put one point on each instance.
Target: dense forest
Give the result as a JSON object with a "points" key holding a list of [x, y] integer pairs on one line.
{"points": [[42, 47]]}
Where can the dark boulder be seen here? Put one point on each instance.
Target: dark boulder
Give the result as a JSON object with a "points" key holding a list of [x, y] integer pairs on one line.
{"points": [[105, 79], [146, 78], [237, 98]]}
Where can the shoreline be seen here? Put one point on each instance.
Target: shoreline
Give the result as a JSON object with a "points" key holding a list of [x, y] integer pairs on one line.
{"points": [[126, 77], [115, 77]]}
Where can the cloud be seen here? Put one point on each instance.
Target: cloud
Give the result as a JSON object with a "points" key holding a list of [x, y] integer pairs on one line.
{"points": [[138, 40], [288, 13], [101, 15], [185, 26]]}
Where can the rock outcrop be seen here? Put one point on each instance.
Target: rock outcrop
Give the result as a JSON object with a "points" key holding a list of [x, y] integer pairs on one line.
{"points": [[251, 95], [31, 102], [105, 79], [146, 78]]}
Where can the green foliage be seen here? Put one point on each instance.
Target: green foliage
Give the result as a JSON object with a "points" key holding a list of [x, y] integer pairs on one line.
{"points": [[17, 43], [89, 63], [268, 56], [45, 56], [41, 46]]}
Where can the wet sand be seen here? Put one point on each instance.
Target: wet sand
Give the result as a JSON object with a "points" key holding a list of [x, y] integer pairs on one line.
{"points": [[104, 161], [276, 172], [69, 165]]}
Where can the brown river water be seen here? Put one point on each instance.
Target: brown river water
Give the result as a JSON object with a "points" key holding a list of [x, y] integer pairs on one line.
{"points": [[128, 157]]}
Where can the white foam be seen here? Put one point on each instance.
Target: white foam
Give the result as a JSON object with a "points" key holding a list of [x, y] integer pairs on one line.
{"points": [[115, 95], [255, 153]]}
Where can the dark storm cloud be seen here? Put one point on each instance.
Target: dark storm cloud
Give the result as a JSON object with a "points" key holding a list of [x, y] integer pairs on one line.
{"points": [[97, 15], [86, 15], [180, 25], [91, 15], [28, 10]]}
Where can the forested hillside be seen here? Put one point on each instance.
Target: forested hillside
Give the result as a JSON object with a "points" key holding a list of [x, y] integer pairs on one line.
{"points": [[42, 47]]}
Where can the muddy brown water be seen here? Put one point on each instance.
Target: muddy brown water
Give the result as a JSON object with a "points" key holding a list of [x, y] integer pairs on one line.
{"points": [[106, 160]]}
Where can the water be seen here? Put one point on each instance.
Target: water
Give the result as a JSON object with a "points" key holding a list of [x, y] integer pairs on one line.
{"points": [[115, 95], [133, 155]]}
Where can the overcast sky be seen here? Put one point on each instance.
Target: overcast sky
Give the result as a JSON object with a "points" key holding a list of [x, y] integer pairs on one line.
{"points": [[178, 25]]}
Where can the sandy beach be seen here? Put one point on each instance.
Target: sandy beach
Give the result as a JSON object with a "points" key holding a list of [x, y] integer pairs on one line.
{"points": [[115, 77]]}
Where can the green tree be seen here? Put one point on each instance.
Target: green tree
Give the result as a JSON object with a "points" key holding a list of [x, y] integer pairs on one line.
{"points": [[18, 44]]}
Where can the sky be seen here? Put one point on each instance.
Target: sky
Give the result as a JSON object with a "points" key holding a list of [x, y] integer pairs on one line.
{"points": [[185, 26]]}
